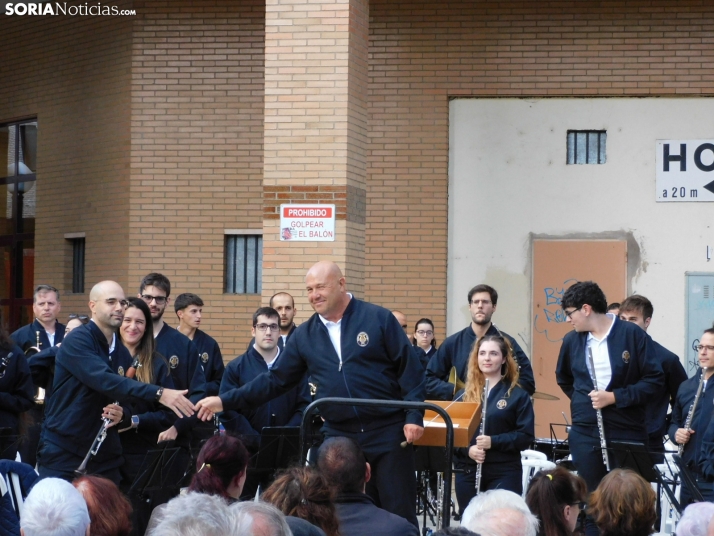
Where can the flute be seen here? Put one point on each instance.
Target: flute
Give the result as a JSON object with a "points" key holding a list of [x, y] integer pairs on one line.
{"points": [[482, 431], [692, 408], [600, 423]]}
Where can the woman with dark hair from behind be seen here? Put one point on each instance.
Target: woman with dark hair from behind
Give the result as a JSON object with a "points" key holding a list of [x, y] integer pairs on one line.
{"points": [[109, 509], [17, 393], [623, 505], [302, 492], [555, 497], [221, 467]]}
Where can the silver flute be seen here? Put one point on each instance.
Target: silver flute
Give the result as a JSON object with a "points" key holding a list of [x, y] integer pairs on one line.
{"points": [[481, 431], [600, 423], [692, 409]]}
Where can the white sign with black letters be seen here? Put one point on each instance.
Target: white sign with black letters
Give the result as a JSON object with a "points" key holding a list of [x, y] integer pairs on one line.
{"points": [[685, 170]]}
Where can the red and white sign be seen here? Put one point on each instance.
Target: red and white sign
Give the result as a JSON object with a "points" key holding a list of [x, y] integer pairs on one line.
{"points": [[307, 223]]}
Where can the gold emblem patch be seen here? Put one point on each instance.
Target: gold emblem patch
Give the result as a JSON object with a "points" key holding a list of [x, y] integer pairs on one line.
{"points": [[120, 370], [363, 339], [204, 357], [626, 356], [173, 361], [501, 404]]}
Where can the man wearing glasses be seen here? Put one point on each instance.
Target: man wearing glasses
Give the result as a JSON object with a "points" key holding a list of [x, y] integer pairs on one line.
{"points": [[455, 350], [285, 410], [628, 378]]}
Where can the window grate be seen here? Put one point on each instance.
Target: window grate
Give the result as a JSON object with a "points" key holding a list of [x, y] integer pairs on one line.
{"points": [[244, 262], [78, 265], [586, 146]]}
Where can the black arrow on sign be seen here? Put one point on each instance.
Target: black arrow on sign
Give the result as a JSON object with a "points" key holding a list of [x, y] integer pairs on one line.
{"points": [[710, 186]]}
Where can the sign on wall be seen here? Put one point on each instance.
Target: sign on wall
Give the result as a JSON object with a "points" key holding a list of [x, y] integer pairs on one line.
{"points": [[307, 223], [685, 170]]}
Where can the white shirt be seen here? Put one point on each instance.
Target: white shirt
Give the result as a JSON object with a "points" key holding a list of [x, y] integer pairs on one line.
{"points": [[334, 330], [601, 357], [51, 337], [270, 364]]}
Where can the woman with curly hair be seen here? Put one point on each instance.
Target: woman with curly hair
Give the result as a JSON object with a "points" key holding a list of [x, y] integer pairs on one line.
{"points": [[302, 492], [509, 425], [556, 498], [623, 505]]}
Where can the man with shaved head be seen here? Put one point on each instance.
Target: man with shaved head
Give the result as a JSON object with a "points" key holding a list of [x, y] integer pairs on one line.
{"points": [[351, 349], [84, 384]]}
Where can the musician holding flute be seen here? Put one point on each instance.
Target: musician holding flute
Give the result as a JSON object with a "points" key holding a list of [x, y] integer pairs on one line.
{"points": [[84, 384], [628, 377], [508, 425]]}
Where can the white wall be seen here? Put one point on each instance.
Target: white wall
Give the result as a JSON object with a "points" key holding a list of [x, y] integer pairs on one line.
{"points": [[508, 178]]}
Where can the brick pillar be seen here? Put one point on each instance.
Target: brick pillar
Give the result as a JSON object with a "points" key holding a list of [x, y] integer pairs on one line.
{"points": [[315, 135]]}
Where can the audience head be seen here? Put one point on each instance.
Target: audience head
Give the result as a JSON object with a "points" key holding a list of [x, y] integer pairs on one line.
{"points": [[196, 514], [695, 519], [341, 462], [555, 498], [109, 509], [623, 504], [303, 492], [454, 531], [499, 513], [259, 519], [221, 467], [54, 508]]}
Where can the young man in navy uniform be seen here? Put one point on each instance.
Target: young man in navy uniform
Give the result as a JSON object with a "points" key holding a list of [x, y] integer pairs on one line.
{"points": [[351, 349], [284, 304], [84, 384], [285, 410], [189, 309], [455, 350], [639, 310], [628, 376]]}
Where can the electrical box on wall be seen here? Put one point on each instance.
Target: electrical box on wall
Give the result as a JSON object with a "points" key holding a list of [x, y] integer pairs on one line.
{"points": [[700, 314]]}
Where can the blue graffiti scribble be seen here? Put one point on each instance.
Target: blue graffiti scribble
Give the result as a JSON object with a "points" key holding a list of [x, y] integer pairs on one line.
{"points": [[553, 296], [544, 331]]}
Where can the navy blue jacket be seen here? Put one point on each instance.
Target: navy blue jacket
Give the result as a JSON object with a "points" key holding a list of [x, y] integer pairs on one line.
{"points": [[84, 383], [211, 361], [656, 411], [16, 390], [377, 363], [637, 379], [423, 356], [26, 336], [680, 409], [42, 367], [454, 352], [358, 516], [285, 410]]}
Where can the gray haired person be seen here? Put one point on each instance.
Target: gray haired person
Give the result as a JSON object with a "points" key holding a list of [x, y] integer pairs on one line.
{"points": [[54, 508]]}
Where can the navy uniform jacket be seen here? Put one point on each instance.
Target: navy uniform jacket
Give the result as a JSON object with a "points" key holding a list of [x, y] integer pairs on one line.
{"points": [[454, 352], [285, 410], [423, 356], [700, 419], [674, 375], [211, 360], [377, 363], [637, 379], [358, 516], [16, 390], [510, 423], [182, 356], [26, 336], [85, 382]]}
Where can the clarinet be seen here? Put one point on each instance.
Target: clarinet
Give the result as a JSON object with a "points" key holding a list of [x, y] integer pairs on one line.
{"points": [[102, 434], [692, 408], [600, 423], [482, 431]]}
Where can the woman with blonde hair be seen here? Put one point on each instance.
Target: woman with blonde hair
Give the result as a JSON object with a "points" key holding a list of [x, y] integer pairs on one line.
{"points": [[509, 425], [623, 505]]}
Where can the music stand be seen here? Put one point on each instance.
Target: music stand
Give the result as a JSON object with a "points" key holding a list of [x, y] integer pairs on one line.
{"points": [[158, 471], [687, 479], [635, 456], [279, 448]]}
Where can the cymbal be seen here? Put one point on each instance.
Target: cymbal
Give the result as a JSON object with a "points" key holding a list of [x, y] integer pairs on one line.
{"points": [[544, 396]]}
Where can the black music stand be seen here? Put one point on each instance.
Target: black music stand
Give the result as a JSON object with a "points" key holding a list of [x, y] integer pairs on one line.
{"points": [[687, 479], [159, 470], [635, 456], [279, 448]]}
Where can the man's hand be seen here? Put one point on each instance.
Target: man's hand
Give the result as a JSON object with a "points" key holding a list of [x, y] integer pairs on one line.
{"points": [[683, 436], [601, 399], [483, 442], [114, 413], [177, 401], [168, 435], [413, 432], [477, 454], [208, 406]]}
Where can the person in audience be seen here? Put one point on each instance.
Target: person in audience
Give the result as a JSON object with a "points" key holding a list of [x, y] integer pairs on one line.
{"points": [[109, 509], [341, 461], [263, 519], [54, 503], [623, 504], [221, 468], [556, 498], [197, 514], [303, 492], [454, 531], [499, 512], [695, 519]]}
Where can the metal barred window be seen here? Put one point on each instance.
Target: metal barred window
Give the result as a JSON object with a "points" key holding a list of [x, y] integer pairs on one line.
{"points": [[244, 262], [586, 146], [78, 265]]}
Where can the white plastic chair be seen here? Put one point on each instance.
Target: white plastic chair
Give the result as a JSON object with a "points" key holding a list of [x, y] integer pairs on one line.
{"points": [[669, 516], [532, 462]]}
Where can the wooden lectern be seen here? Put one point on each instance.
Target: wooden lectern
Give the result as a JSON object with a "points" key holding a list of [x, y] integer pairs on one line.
{"points": [[465, 417]]}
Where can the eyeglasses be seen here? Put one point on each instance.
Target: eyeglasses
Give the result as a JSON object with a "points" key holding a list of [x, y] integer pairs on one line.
{"points": [[423, 333], [569, 314], [74, 316], [266, 327], [701, 347], [479, 302], [160, 300]]}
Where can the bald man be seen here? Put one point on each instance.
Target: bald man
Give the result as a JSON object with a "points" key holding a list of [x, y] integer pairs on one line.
{"points": [[85, 387], [352, 349]]}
